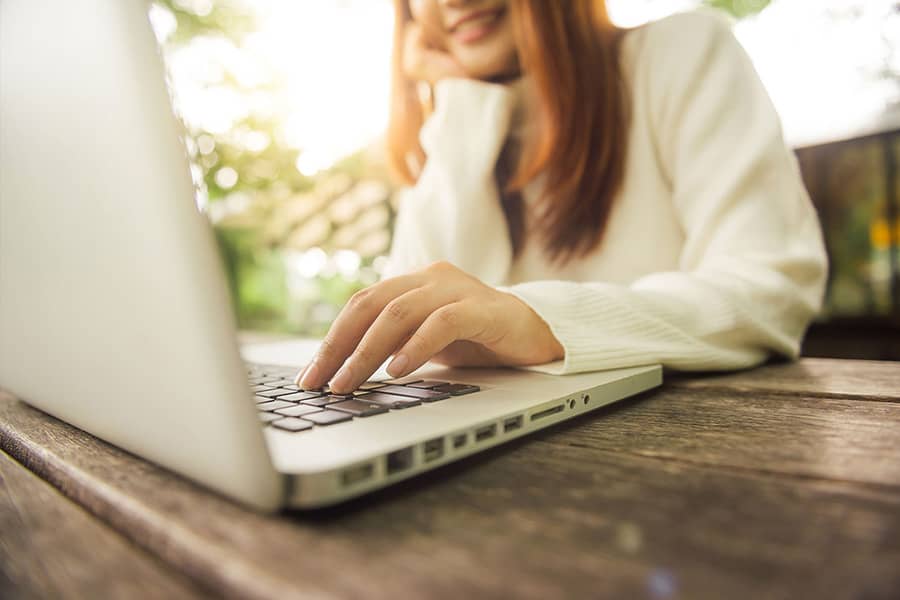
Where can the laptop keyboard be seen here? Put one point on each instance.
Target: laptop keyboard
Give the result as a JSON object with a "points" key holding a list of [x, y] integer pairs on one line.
{"points": [[285, 406]]}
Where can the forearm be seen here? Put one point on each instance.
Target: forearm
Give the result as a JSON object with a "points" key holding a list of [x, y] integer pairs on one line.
{"points": [[728, 316], [453, 212]]}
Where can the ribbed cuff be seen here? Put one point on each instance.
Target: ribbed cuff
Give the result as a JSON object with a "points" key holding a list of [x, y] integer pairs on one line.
{"points": [[591, 327], [607, 326]]}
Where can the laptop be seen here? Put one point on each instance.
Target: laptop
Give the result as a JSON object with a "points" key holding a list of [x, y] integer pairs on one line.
{"points": [[114, 310]]}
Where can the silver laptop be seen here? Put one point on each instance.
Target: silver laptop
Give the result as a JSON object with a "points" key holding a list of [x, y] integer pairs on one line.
{"points": [[114, 312]]}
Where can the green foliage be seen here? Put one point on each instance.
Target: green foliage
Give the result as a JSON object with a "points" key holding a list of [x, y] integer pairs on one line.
{"points": [[256, 278], [739, 8], [260, 170], [266, 213], [229, 18]]}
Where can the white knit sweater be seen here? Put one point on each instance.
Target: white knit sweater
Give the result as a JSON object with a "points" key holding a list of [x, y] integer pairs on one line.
{"points": [[712, 257]]}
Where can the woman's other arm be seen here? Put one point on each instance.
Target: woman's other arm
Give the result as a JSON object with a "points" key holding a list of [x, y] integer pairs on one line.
{"points": [[453, 213]]}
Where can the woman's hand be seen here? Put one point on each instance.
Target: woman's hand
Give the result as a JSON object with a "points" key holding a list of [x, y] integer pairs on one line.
{"points": [[438, 313], [423, 62]]}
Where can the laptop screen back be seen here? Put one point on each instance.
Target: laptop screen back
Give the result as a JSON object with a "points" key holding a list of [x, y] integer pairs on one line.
{"points": [[114, 314]]}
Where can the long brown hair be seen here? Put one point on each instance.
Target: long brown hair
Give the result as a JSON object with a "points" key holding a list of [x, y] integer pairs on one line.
{"points": [[577, 137]]}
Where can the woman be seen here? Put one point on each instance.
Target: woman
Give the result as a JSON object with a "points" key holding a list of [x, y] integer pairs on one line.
{"points": [[582, 197]]}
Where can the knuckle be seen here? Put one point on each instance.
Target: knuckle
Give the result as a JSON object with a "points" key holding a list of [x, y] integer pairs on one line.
{"points": [[440, 266], [363, 354], [360, 300], [418, 344], [397, 310], [449, 316], [327, 349]]}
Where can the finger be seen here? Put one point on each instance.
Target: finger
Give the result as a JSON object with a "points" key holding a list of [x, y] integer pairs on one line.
{"points": [[422, 62], [390, 330], [414, 35], [440, 65], [457, 321], [463, 353], [413, 51], [350, 325]]}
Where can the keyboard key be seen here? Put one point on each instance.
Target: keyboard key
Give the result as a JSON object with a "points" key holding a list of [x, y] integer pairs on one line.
{"points": [[274, 405], [323, 400], [408, 381], [328, 417], [283, 383], [274, 393], [458, 389], [427, 385], [425, 395], [292, 424], [372, 385], [298, 396], [280, 376], [325, 389], [298, 410], [352, 395], [261, 388], [267, 417], [358, 408], [262, 379], [262, 399], [391, 401], [288, 374]]}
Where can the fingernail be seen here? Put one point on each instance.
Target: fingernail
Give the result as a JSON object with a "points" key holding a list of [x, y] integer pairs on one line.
{"points": [[308, 378], [397, 368], [341, 381], [299, 376]]}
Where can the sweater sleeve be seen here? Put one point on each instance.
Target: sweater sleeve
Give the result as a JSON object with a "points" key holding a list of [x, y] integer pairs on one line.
{"points": [[453, 211], [752, 271]]}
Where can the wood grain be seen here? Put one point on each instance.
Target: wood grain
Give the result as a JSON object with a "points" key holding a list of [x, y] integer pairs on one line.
{"points": [[802, 437], [820, 377], [682, 493], [51, 548]]}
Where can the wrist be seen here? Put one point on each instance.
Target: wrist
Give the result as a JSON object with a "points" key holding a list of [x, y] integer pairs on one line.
{"points": [[538, 337]]}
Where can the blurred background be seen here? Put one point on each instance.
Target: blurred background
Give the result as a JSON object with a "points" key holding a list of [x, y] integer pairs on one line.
{"points": [[285, 106]]}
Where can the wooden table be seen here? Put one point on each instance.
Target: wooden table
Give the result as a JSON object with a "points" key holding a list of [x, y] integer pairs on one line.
{"points": [[783, 482]]}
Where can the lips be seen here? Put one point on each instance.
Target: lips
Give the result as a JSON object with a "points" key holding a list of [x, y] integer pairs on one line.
{"points": [[475, 25]]}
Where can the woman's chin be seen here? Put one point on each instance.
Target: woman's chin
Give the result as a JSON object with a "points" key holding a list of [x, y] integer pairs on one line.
{"points": [[497, 70]]}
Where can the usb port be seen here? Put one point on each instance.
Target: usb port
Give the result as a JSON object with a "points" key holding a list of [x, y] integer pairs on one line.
{"points": [[460, 440], [399, 460], [433, 449], [512, 424], [485, 432], [357, 474]]}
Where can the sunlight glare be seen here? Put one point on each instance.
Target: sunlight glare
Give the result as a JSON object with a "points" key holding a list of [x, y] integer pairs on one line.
{"points": [[336, 56], [631, 13], [328, 65]]}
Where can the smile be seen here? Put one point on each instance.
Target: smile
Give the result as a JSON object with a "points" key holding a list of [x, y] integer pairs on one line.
{"points": [[477, 25]]}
